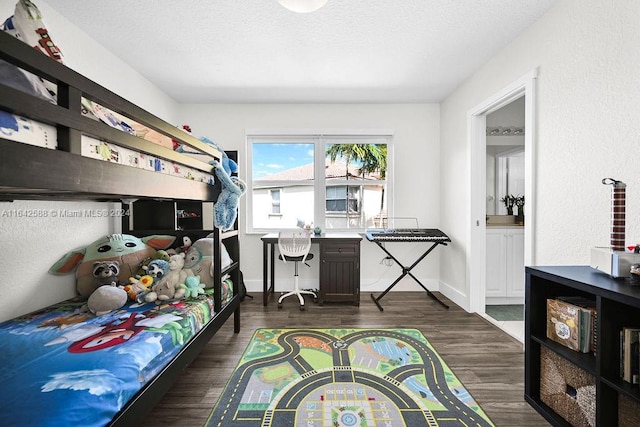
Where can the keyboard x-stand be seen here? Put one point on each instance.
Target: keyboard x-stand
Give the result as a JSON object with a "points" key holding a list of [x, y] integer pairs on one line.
{"points": [[432, 235]]}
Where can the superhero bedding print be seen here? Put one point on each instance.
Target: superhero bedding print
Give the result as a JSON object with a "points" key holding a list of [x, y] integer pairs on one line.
{"points": [[65, 366]]}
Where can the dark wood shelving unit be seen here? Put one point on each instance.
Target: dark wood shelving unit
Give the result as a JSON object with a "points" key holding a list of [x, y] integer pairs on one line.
{"points": [[617, 306]]}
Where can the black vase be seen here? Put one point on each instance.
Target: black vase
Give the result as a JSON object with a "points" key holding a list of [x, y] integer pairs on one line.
{"points": [[520, 216]]}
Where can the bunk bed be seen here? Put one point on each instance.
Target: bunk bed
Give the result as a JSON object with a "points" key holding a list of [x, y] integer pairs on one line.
{"points": [[30, 172]]}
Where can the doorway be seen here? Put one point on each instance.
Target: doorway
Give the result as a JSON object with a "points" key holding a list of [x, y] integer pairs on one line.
{"points": [[504, 290], [477, 140]]}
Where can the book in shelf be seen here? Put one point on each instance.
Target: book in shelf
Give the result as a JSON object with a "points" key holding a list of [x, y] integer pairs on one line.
{"points": [[570, 322], [630, 354]]}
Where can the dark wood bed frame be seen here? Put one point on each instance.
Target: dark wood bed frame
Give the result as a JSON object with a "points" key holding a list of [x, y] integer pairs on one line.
{"points": [[34, 173]]}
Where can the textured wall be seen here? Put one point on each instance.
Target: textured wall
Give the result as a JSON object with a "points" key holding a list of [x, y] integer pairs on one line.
{"points": [[588, 104], [33, 240]]}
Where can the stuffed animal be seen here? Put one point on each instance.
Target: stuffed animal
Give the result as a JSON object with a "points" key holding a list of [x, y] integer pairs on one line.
{"points": [[138, 287], [128, 250], [160, 254], [183, 242], [177, 274], [192, 287], [157, 269], [228, 164], [166, 287], [161, 292], [226, 207], [105, 299], [106, 272], [199, 259]]}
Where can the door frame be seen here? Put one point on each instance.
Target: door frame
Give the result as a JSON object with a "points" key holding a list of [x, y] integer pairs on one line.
{"points": [[477, 146]]}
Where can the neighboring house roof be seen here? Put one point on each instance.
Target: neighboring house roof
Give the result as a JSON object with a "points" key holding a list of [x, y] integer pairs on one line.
{"points": [[332, 170]]}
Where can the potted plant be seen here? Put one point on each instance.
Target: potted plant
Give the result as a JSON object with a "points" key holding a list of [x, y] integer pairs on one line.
{"points": [[509, 201]]}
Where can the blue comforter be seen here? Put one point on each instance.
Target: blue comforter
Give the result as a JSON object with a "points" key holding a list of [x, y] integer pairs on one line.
{"points": [[63, 366]]}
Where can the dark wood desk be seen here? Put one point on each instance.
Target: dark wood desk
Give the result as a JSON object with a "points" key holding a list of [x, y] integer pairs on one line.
{"points": [[339, 261]]}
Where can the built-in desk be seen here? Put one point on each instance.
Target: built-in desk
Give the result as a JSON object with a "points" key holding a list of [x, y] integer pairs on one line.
{"points": [[339, 261]]}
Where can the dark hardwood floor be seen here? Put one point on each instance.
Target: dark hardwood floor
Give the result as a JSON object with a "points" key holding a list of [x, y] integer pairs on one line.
{"points": [[488, 361]]}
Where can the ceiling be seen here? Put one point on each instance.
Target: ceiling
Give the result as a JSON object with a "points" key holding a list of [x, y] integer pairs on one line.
{"points": [[350, 51]]}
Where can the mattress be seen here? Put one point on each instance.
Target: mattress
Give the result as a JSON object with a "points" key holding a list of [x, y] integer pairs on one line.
{"points": [[64, 366]]}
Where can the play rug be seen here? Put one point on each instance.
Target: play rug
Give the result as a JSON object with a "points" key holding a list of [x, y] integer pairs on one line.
{"points": [[344, 377]]}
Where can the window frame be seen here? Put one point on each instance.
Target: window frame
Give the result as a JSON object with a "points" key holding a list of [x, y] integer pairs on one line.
{"points": [[320, 140]]}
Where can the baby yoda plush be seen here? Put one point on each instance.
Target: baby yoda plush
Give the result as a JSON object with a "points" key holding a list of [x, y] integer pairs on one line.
{"points": [[128, 250]]}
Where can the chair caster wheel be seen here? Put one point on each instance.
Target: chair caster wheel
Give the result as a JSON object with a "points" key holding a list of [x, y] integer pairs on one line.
{"points": [[279, 306], [302, 308]]}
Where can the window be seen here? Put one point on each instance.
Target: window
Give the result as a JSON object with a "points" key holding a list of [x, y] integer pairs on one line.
{"points": [[275, 201], [335, 182], [342, 199]]}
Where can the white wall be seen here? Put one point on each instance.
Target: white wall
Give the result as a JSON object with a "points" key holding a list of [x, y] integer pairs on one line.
{"points": [[416, 176], [86, 56], [587, 109], [34, 243]]}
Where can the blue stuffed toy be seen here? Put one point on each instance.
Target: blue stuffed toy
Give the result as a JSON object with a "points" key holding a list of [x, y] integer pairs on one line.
{"points": [[229, 165], [225, 209]]}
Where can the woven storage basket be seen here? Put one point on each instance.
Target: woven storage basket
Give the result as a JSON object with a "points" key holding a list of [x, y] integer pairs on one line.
{"points": [[567, 389], [628, 412]]}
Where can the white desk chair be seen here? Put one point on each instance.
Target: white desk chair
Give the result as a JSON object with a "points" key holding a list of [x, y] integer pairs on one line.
{"points": [[294, 246]]}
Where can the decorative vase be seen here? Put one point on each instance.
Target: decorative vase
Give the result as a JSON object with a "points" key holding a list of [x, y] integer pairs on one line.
{"points": [[520, 215]]}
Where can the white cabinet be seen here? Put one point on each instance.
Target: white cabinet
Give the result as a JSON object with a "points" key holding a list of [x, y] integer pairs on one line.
{"points": [[505, 266]]}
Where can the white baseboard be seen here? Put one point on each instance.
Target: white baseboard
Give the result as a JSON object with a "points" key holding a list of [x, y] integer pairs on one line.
{"points": [[406, 285], [455, 295]]}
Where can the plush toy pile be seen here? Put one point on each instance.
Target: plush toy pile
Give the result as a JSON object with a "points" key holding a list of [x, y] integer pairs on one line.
{"points": [[121, 267]]}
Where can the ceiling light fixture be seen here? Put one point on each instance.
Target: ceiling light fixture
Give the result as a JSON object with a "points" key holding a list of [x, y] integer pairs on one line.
{"points": [[303, 6]]}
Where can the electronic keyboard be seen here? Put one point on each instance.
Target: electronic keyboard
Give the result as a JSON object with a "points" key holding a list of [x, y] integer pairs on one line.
{"points": [[407, 235]]}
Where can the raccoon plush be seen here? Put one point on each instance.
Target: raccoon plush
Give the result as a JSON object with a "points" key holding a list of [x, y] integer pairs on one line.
{"points": [[106, 272]]}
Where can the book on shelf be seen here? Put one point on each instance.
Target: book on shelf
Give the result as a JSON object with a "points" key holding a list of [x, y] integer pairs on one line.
{"points": [[570, 322], [588, 320], [594, 334], [630, 354]]}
